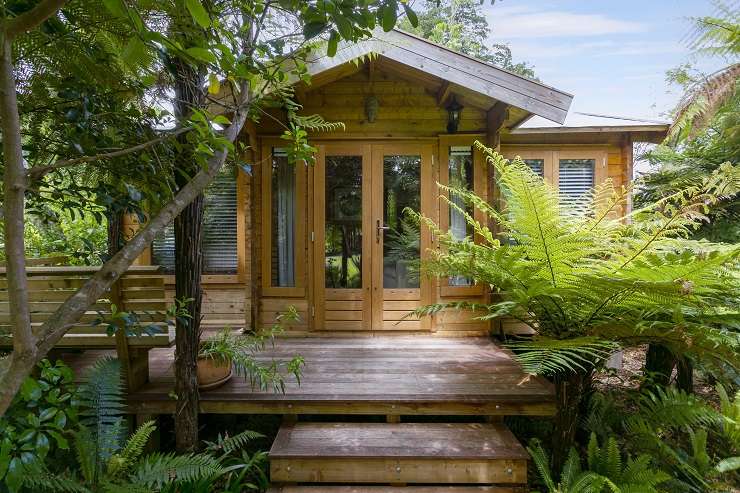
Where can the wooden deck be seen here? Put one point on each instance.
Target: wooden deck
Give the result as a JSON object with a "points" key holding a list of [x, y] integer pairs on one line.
{"points": [[389, 375]]}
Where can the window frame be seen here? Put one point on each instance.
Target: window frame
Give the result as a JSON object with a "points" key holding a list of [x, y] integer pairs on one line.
{"points": [[300, 254], [480, 186], [553, 154], [215, 277]]}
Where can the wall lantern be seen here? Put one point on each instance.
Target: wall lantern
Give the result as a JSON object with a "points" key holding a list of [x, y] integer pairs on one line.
{"points": [[371, 108], [453, 115]]}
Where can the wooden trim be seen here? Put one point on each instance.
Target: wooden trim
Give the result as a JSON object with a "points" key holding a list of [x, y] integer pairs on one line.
{"points": [[266, 226], [479, 187], [241, 226], [553, 154]]}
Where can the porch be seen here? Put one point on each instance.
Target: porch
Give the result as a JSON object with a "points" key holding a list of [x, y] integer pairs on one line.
{"points": [[385, 375]]}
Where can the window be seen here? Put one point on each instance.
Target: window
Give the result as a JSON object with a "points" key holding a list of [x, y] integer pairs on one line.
{"points": [[219, 242], [575, 178], [537, 166], [283, 220], [461, 176]]}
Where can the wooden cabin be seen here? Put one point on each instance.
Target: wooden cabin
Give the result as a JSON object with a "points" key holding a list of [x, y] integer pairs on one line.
{"points": [[331, 239]]}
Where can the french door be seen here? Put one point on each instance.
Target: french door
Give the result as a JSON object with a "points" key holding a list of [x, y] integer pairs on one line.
{"points": [[367, 248]]}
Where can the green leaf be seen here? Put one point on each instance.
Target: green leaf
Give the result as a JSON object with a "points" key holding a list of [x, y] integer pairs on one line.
{"points": [[201, 54], [115, 7], [313, 29], [331, 48], [14, 477], [221, 120], [214, 85], [390, 16], [42, 444], [411, 15], [30, 390], [62, 442], [344, 26], [199, 13], [47, 414], [729, 464]]}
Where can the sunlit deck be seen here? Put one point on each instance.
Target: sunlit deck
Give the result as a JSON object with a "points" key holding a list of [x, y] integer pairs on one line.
{"points": [[401, 375]]}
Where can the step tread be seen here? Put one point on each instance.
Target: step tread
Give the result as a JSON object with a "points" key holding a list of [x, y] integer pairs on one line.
{"points": [[394, 489], [397, 440]]}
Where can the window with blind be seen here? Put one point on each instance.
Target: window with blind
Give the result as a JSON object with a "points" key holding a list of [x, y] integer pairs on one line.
{"points": [[575, 178], [460, 176], [537, 166], [219, 242]]}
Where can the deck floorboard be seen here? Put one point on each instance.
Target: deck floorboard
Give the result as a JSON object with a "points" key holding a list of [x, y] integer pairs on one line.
{"points": [[375, 375]]}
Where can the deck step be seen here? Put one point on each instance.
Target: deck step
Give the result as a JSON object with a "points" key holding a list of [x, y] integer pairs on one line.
{"points": [[429, 453], [395, 489]]}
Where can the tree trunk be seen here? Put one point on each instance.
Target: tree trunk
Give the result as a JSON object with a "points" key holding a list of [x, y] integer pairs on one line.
{"points": [[189, 95], [659, 363], [685, 375], [115, 225], [569, 392]]}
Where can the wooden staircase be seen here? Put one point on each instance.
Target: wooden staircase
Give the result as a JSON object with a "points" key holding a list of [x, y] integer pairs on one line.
{"points": [[395, 455]]}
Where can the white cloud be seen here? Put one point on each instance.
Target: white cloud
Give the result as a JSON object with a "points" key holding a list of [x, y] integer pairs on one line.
{"points": [[522, 22]]}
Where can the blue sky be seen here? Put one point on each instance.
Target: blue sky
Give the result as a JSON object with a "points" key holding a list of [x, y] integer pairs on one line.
{"points": [[611, 54]]}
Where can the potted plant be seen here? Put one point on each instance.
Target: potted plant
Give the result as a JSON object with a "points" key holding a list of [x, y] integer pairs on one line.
{"points": [[228, 351], [215, 360]]}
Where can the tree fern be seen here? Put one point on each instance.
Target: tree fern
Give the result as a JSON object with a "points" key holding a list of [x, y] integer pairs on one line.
{"points": [[595, 279]]}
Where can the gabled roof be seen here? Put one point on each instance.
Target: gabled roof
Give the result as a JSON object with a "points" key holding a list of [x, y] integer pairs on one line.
{"points": [[461, 70]]}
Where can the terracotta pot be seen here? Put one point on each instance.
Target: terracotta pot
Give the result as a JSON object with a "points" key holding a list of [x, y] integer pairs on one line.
{"points": [[213, 373]]}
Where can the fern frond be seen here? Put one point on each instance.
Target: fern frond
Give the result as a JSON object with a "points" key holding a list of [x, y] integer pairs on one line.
{"points": [[549, 356], [317, 123], [229, 444], [132, 450], [41, 479], [667, 408], [101, 396], [158, 469], [539, 457]]}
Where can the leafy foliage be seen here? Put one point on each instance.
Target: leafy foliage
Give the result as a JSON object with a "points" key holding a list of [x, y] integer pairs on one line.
{"points": [[589, 274], [606, 470], [37, 425], [241, 351]]}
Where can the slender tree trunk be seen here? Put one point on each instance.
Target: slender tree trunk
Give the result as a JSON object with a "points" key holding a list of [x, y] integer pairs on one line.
{"points": [[685, 374], [15, 181], [659, 363], [189, 82], [569, 392], [115, 225]]}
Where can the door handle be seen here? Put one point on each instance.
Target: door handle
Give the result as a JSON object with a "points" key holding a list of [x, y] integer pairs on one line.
{"points": [[379, 228]]}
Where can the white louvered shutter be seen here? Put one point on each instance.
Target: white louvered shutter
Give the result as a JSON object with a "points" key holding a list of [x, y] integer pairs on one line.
{"points": [[576, 177], [219, 231]]}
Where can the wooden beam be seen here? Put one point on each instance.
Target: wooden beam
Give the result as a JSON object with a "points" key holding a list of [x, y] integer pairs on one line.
{"points": [[443, 93], [370, 69], [495, 119]]}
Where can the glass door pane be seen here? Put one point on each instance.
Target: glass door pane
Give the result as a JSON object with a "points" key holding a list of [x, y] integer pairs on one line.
{"points": [[401, 239], [343, 226]]}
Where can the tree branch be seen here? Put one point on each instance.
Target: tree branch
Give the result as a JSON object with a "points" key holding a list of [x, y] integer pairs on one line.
{"points": [[34, 17], [39, 171], [94, 288]]}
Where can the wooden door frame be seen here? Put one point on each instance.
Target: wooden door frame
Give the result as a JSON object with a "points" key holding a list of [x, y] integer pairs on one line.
{"points": [[362, 149], [426, 188]]}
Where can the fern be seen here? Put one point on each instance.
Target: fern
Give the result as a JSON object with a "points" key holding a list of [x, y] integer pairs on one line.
{"points": [[157, 470], [230, 444], [595, 279], [101, 396], [132, 450], [545, 356]]}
